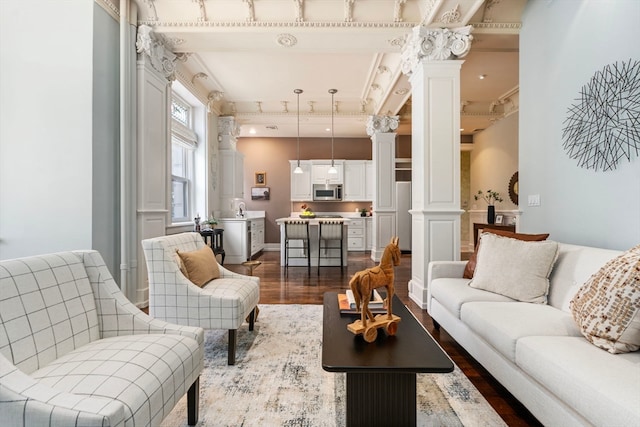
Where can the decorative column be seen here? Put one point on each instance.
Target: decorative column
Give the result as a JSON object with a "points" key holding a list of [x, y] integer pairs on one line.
{"points": [[430, 59], [156, 66], [381, 130]]}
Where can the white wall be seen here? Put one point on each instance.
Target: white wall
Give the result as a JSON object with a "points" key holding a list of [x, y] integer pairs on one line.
{"points": [[562, 44], [494, 159], [46, 80]]}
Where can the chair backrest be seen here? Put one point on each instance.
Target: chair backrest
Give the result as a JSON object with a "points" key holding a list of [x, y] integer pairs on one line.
{"points": [[330, 230], [47, 309], [296, 230]]}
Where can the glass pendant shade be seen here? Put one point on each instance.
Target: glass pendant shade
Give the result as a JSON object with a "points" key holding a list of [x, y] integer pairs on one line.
{"points": [[332, 169], [298, 169]]}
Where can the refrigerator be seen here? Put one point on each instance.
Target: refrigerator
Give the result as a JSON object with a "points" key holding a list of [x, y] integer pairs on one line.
{"points": [[403, 218]]}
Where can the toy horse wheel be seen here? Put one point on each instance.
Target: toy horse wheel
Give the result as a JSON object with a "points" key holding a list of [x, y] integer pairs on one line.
{"points": [[391, 328], [370, 334]]}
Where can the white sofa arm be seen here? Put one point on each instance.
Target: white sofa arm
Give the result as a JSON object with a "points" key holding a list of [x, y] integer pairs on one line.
{"points": [[26, 402], [438, 269], [117, 315]]}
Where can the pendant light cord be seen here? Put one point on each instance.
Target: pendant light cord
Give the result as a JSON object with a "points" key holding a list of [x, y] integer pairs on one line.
{"points": [[332, 92]]}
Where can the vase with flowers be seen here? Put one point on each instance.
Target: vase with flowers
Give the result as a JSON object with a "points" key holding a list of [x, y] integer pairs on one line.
{"points": [[491, 197]]}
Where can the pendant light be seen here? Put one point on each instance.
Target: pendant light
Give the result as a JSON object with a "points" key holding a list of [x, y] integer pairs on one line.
{"points": [[332, 169], [298, 169]]}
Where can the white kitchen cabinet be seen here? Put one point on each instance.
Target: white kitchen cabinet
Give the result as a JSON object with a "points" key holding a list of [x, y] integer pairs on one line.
{"points": [[356, 237], [320, 172], [368, 232], [243, 238], [370, 187], [257, 235], [354, 181], [231, 174], [301, 183]]}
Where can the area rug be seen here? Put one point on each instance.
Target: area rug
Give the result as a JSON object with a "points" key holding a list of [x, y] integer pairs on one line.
{"points": [[278, 380]]}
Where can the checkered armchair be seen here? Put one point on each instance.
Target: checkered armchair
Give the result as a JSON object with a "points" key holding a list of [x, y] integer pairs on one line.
{"points": [[75, 352], [222, 303]]}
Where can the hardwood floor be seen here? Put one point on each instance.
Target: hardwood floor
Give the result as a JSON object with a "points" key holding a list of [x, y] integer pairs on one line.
{"points": [[294, 286]]}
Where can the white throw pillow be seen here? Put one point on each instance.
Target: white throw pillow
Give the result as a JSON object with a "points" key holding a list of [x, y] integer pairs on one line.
{"points": [[515, 268]]}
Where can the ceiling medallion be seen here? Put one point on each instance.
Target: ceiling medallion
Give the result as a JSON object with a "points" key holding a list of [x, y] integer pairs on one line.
{"points": [[287, 40], [602, 126]]}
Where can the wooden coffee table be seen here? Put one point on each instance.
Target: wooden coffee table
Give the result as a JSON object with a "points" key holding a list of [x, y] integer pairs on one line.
{"points": [[381, 376]]}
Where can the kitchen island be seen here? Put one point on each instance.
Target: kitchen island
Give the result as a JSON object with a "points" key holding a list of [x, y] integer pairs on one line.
{"points": [[333, 254]]}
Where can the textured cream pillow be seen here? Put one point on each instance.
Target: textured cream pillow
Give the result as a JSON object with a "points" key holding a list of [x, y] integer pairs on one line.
{"points": [[607, 306], [515, 268], [201, 265]]}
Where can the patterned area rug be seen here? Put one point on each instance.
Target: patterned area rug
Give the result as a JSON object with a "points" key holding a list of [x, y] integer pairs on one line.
{"points": [[278, 380]]}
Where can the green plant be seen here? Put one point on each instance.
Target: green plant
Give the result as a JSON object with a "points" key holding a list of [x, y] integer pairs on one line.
{"points": [[491, 197], [211, 221]]}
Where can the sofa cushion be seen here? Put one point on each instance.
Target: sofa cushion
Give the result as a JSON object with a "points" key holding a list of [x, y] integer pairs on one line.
{"points": [[607, 307], [148, 374], [471, 264], [453, 293], [201, 265], [601, 387], [514, 268], [502, 324]]}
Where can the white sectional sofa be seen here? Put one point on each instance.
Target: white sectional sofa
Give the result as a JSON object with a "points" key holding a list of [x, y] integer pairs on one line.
{"points": [[75, 352], [537, 350]]}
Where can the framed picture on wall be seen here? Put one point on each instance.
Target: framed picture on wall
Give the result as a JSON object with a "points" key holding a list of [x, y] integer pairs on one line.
{"points": [[499, 219], [260, 193], [261, 178]]}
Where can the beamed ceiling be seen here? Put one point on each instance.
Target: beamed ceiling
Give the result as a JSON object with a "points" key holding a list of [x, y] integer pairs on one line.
{"points": [[250, 55]]}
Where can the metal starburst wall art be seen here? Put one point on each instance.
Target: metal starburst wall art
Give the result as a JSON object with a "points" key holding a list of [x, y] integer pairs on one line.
{"points": [[603, 126]]}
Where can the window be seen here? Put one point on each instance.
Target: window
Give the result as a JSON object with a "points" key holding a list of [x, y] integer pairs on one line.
{"points": [[183, 145]]}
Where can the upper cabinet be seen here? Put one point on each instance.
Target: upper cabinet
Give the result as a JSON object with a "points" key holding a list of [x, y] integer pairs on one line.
{"points": [[320, 172], [355, 175], [232, 174], [370, 187], [301, 182], [354, 180]]}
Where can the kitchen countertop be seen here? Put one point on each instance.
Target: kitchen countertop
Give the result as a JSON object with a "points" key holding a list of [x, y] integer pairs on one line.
{"points": [[248, 215]]}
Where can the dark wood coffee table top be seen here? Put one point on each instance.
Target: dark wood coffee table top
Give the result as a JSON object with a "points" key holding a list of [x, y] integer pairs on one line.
{"points": [[412, 349]]}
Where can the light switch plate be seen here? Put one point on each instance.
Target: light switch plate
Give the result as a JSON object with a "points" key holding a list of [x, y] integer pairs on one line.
{"points": [[534, 200]]}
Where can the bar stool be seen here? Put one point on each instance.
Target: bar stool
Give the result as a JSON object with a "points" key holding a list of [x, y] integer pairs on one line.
{"points": [[330, 231], [298, 231]]}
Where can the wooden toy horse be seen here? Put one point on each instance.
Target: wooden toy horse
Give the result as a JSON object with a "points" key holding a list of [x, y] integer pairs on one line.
{"points": [[364, 282]]}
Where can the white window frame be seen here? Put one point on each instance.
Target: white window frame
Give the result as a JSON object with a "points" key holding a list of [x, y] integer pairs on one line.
{"points": [[187, 139]]}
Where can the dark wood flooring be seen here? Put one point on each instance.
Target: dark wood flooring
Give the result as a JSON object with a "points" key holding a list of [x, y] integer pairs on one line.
{"points": [[278, 286]]}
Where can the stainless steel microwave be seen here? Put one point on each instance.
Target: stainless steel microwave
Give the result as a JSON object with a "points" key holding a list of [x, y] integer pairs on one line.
{"points": [[327, 192]]}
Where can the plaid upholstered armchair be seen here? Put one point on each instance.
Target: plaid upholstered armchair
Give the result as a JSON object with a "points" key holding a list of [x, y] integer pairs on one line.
{"points": [[220, 303], [75, 352]]}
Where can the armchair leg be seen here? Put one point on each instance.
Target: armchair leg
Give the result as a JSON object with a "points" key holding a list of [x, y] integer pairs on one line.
{"points": [[231, 359], [252, 318], [193, 402], [436, 325]]}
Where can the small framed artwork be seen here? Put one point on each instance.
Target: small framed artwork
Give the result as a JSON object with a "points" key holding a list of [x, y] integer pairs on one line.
{"points": [[261, 178], [499, 219], [260, 193]]}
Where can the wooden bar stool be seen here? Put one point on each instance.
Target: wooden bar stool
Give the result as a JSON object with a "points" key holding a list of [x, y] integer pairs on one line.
{"points": [[297, 231], [330, 231]]}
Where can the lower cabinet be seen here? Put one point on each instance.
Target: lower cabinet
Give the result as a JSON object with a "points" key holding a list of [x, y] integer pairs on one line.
{"points": [[242, 239], [356, 234]]}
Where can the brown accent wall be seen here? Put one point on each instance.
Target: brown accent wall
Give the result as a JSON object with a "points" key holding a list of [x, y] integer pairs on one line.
{"points": [[272, 155]]}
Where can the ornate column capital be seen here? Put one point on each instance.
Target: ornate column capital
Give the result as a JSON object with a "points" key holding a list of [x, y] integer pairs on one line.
{"points": [[227, 126], [382, 124], [161, 58], [435, 44]]}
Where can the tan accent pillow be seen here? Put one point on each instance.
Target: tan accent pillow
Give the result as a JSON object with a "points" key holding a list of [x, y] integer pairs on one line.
{"points": [[201, 265], [515, 268], [471, 264], [607, 307], [181, 266]]}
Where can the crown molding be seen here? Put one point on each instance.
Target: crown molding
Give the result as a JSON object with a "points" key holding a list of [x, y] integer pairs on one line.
{"points": [[277, 24], [110, 8]]}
